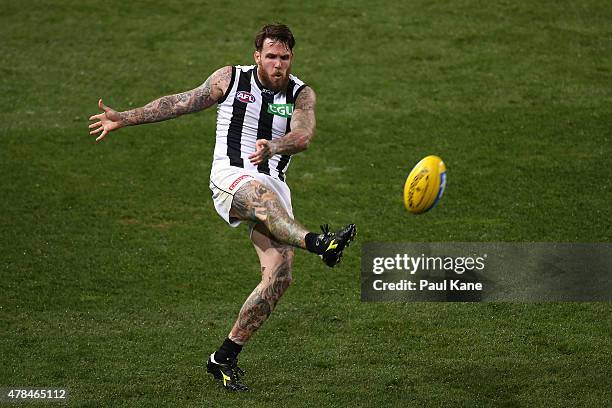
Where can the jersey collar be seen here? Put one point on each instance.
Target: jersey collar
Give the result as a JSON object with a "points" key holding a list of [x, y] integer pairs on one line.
{"points": [[262, 88]]}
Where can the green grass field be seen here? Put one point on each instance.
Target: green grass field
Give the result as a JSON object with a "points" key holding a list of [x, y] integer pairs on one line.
{"points": [[118, 277]]}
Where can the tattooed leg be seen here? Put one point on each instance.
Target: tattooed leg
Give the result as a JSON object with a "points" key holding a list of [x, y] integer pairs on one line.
{"points": [[255, 202], [276, 261]]}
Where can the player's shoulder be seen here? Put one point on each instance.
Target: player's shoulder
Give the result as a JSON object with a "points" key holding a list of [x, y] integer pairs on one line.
{"points": [[221, 82], [305, 98], [298, 82], [222, 75], [223, 78], [244, 68], [301, 90]]}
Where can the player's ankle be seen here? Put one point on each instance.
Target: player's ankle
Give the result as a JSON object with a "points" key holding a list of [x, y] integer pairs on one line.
{"points": [[313, 244], [229, 350]]}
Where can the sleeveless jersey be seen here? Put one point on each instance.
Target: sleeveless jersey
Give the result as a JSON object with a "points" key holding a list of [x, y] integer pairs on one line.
{"points": [[248, 111]]}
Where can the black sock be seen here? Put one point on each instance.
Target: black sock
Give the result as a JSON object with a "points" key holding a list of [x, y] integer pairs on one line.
{"points": [[311, 243], [228, 351]]}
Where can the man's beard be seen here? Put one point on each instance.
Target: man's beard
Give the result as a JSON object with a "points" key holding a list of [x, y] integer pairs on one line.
{"points": [[269, 83]]}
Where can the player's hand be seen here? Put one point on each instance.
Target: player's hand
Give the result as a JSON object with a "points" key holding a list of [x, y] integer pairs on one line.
{"points": [[106, 122], [264, 149]]}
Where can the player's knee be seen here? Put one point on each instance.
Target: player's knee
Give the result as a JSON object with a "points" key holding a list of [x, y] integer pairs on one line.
{"points": [[283, 269], [283, 282], [280, 279], [274, 288]]}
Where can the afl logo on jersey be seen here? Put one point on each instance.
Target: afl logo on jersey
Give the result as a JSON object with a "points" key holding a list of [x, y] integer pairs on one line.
{"points": [[245, 97]]}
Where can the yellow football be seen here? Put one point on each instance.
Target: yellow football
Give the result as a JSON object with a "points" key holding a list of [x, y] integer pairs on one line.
{"points": [[425, 185]]}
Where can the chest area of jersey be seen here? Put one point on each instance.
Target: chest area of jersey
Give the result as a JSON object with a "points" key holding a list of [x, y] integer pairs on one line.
{"points": [[265, 103]]}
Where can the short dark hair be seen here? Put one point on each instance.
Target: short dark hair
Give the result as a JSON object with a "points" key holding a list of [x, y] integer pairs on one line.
{"points": [[275, 32]]}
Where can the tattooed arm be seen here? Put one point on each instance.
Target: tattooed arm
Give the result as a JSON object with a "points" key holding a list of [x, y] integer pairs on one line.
{"points": [[164, 108], [303, 124]]}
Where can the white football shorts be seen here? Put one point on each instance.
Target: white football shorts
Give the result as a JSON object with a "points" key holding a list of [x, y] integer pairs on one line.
{"points": [[226, 180]]}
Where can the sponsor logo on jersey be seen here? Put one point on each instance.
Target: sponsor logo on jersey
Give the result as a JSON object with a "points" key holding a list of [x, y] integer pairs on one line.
{"points": [[245, 97], [284, 110], [238, 180]]}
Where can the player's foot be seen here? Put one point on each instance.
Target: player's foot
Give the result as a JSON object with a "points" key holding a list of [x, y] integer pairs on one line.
{"points": [[334, 243], [229, 373]]}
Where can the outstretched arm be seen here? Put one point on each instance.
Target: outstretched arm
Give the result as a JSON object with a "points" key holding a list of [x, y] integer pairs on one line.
{"points": [[164, 108], [303, 124]]}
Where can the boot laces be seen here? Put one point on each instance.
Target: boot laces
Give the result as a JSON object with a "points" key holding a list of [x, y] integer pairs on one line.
{"points": [[237, 371]]}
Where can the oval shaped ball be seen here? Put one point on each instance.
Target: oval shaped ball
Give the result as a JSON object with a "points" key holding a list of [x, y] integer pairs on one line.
{"points": [[425, 185]]}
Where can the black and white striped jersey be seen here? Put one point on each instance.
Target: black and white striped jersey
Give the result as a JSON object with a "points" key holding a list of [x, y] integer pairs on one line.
{"points": [[247, 112]]}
